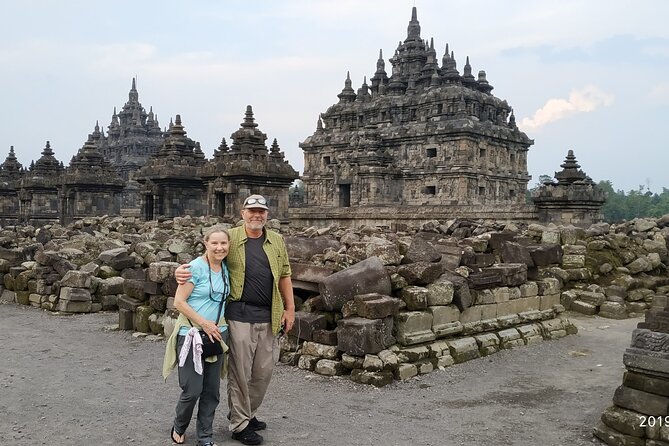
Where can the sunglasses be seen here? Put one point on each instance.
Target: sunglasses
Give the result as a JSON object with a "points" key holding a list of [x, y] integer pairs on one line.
{"points": [[255, 200]]}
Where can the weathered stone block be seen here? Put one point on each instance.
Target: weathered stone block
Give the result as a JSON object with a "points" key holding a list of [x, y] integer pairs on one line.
{"points": [[486, 278], [304, 272], [614, 438], [645, 383], [389, 359], [445, 361], [307, 323], [590, 297], [387, 251], [351, 362], [377, 379], [549, 285], [640, 401], [75, 294], [319, 350], [161, 271], [372, 363], [116, 258], [406, 371], [74, 306], [461, 295], [158, 302], [440, 292], [639, 265], [425, 366], [327, 337], [526, 304], [463, 349], [529, 289], [583, 307], [23, 297], [421, 250], [625, 421], [415, 297], [544, 255], [141, 322], [359, 336], [508, 336], [506, 309], [368, 276], [639, 295], [414, 327], [497, 239], [445, 320], [613, 310], [376, 306], [451, 255], [512, 252], [413, 354], [488, 312], [421, 273], [438, 349], [156, 323], [126, 319], [306, 247], [488, 343], [527, 331], [127, 303], [109, 302], [534, 315], [548, 301], [152, 288], [135, 289], [512, 274], [485, 296], [329, 367], [471, 314], [307, 362], [76, 279]]}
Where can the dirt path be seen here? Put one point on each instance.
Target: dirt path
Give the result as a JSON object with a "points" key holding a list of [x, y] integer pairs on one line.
{"points": [[65, 381]]}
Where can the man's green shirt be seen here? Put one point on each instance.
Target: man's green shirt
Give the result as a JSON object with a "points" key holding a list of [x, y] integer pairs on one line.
{"points": [[277, 255]]}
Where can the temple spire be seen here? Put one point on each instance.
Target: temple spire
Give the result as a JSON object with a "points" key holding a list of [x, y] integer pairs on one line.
{"points": [[133, 96], [249, 120], [347, 94], [413, 30]]}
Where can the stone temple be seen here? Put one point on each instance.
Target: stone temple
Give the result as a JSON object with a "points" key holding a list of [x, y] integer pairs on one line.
{"points": [[137, 169], [423, 143], [425, 140]]}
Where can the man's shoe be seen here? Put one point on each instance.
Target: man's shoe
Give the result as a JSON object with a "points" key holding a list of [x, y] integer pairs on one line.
{"points": [[257, 425], [247, 436]]}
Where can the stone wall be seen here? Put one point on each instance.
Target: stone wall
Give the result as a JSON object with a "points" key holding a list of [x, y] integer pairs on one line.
{"points": [[374, 304], [640, 410]]}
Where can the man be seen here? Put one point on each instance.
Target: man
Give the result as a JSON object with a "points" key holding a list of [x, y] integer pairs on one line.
{"points": [[260, 305]]}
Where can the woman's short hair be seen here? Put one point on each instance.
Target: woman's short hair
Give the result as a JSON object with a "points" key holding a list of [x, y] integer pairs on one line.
{"points": [[214, 229]]}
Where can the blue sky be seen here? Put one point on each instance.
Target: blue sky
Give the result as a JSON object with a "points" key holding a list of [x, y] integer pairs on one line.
{"points": [[584, 75]]}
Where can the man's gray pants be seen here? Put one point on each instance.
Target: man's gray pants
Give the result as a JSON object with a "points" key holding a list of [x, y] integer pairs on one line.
{"points": [[204, 387]]}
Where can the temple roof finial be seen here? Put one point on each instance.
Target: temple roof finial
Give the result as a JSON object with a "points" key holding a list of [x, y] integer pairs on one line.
{"points": [[413, 30], [249, 120]]}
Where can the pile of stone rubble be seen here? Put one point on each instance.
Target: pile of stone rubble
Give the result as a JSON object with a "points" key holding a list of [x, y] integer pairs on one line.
{"points": [[373, 303]]}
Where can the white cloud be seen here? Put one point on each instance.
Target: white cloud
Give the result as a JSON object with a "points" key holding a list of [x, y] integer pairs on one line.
{"points": [[660, 93], [585, 100]]}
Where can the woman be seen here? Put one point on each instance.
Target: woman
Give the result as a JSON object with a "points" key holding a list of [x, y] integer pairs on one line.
{"points": [[201, 302]]}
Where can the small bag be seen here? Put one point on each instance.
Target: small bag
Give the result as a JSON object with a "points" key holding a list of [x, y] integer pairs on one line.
{"points": [[210, 348]]}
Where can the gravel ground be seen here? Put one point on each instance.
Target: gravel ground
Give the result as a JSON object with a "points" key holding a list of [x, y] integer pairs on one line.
{"points": [[66, 381]]}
